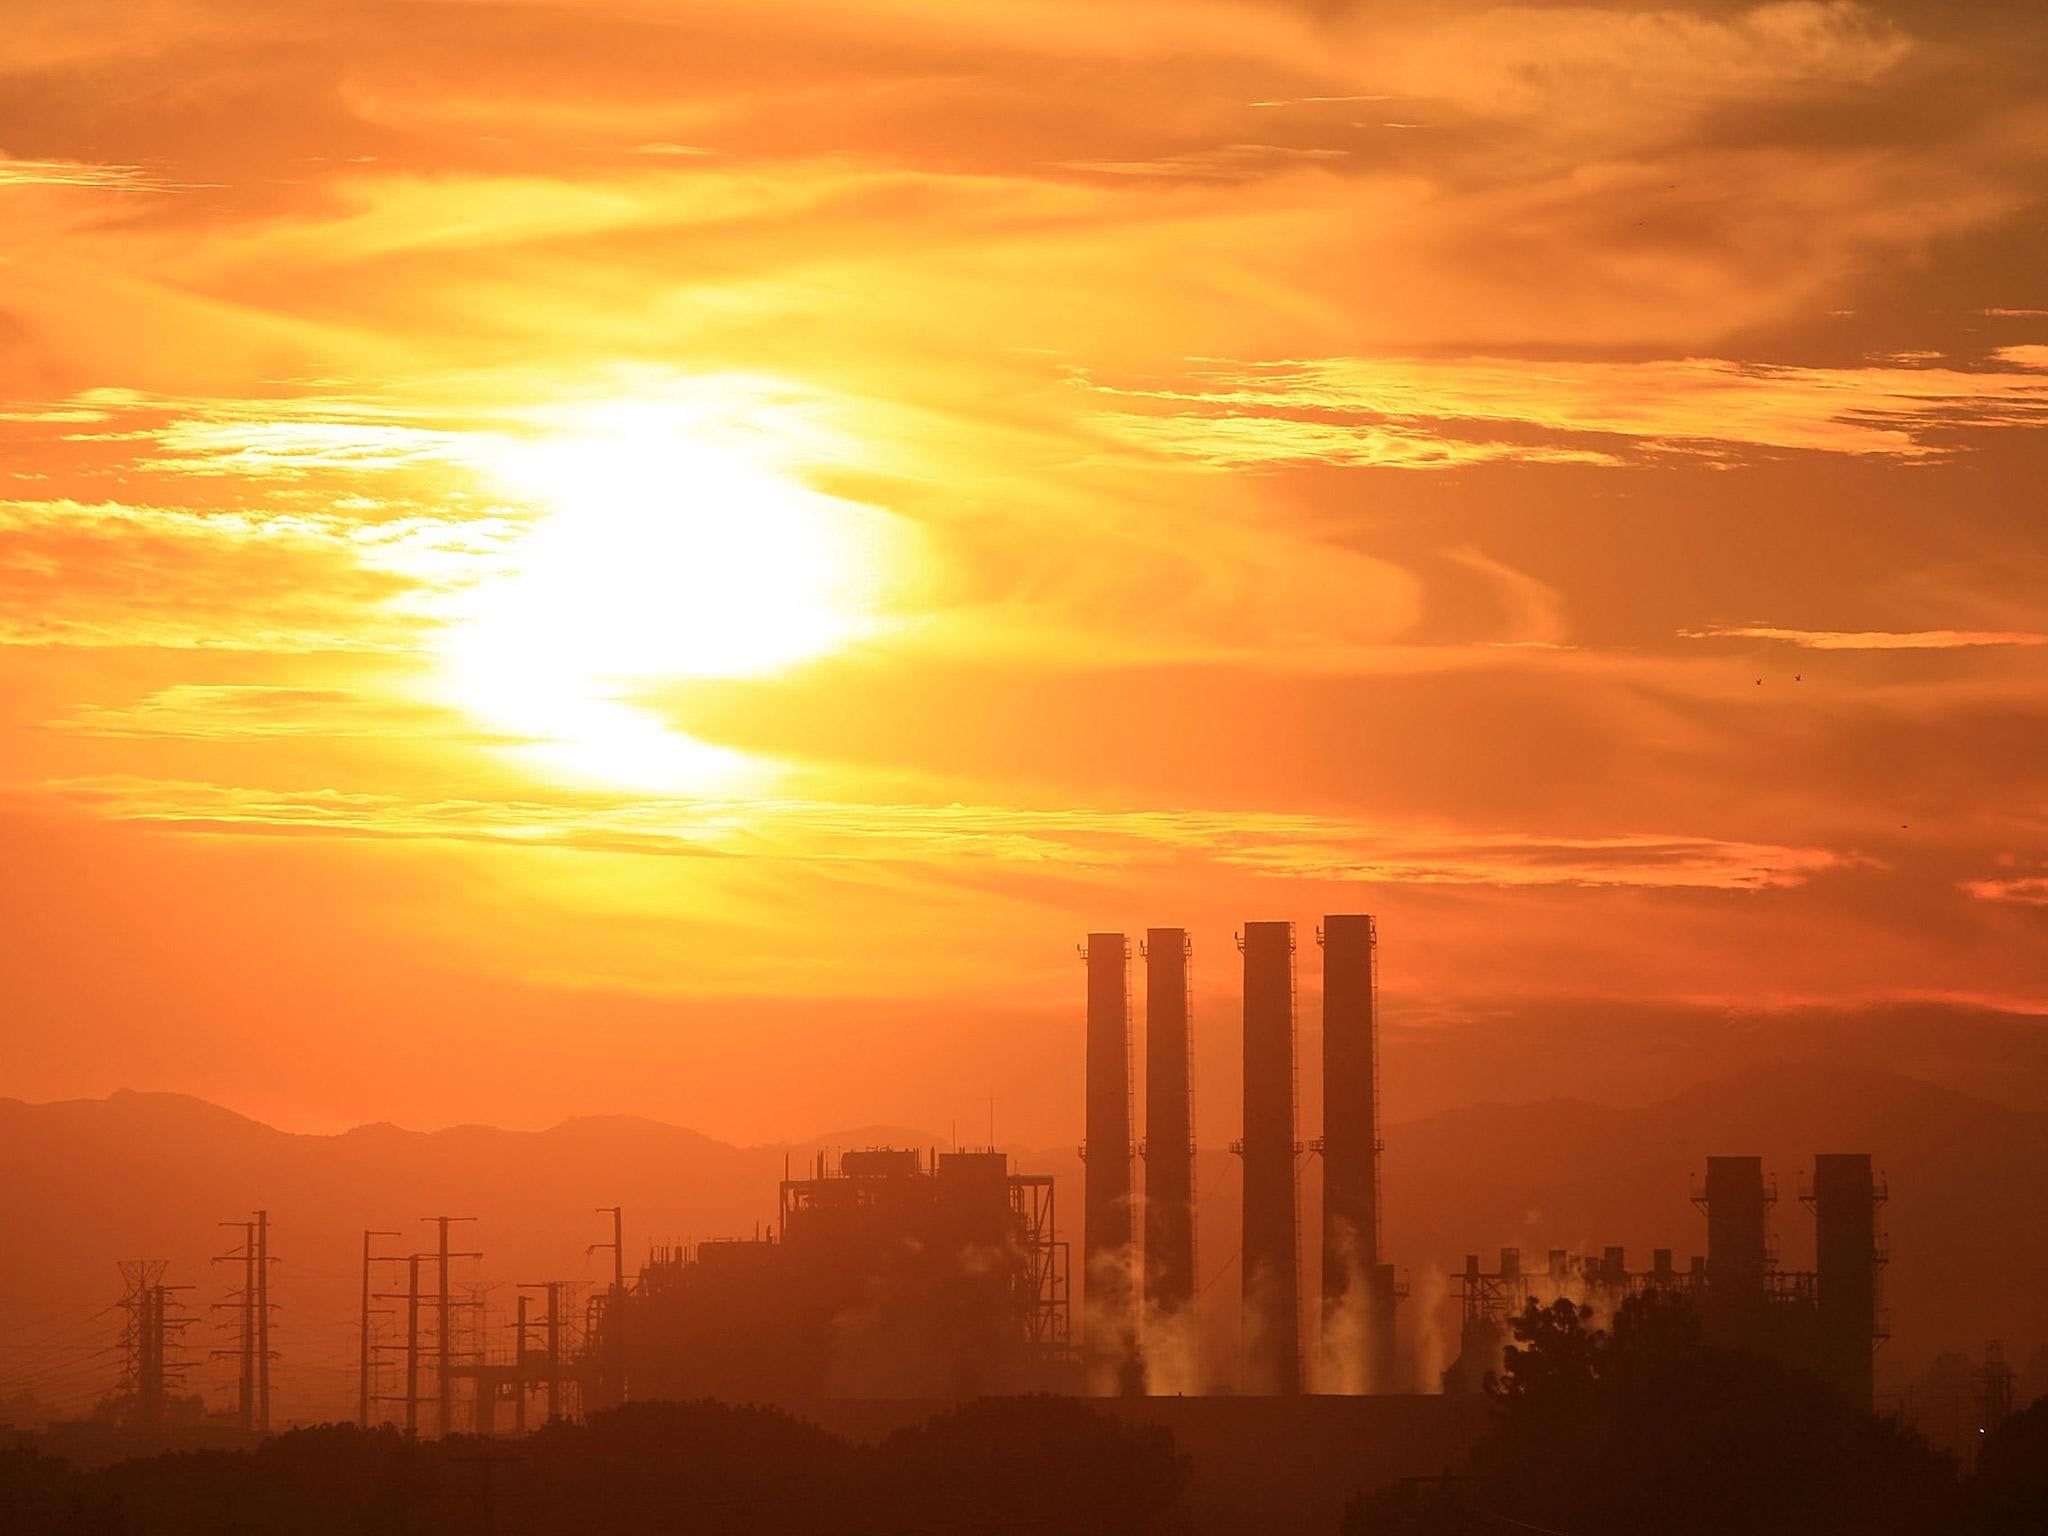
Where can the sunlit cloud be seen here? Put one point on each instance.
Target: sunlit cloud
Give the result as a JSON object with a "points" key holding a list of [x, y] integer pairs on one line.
{"points": [[111, 574], [261, 712], [1253, 442], [709, 461], [1225, 162], [1417, 413], [1279, 846], [1571, 68], [2029, 890], [1871, 640], [76, 173]]}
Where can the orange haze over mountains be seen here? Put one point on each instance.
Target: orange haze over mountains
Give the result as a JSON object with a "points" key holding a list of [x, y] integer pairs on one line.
{"points": [[155, 1173], [629, 559]]}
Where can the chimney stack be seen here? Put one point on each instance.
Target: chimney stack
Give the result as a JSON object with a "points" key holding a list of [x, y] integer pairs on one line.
{"points": [[1738, 1253], [1109, 1323], [1271, 1285], [1845, 1201], [1169, 1126], [1354, 1279]]}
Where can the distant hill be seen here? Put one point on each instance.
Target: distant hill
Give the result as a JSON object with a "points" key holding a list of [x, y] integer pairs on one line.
{"points": [[149, 1175], [145, 1175]]}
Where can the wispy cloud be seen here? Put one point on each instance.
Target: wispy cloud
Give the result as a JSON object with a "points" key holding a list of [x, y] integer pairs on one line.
{"points": [[1223, 162], [1313, 101], [247, 712], [2032, 890], [1289, 847], [1426, 413], [273, 438], [1566, 68], [80, 173], [1253, 442], [1870, 639], [102, 574]]}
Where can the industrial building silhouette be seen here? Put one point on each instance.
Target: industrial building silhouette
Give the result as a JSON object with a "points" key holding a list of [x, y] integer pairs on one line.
{"points": [[903, 1273], [1826, 1320], [907, 1274]]}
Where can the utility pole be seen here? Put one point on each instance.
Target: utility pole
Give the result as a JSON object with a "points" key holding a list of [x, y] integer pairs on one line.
{"points": [[411, 1297], [553, 1324], [363, 1366], [617, 1245], [243, 1301], [615, 1305], [519, 1362], [443, 1338], [263, 1322], [412, 1347], [554, 1352]]}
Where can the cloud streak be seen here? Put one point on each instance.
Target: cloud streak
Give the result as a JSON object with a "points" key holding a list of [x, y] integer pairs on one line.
{"points": [[263, 712], [1871, 639], [1425, 413], [79, 173], [104, 574], [1080, 842]]}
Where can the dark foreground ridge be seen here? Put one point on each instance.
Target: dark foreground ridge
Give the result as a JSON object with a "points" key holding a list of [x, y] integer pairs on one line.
{"points": [[1590, 1434], [1044, 1463]]}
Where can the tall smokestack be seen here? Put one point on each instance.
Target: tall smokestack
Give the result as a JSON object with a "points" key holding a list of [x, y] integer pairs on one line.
{"points": [[1845, 1201], [1358, 1290], [1169, 1126], [1109, 1324], [1271, 1297], [1737, 1252]]}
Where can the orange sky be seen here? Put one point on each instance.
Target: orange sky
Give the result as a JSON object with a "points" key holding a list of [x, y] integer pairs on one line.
{"points": [[621, 556]]}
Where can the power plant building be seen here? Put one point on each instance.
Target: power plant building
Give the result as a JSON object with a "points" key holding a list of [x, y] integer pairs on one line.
{"points": [[1826, 1320], [895, 1276], [892, 1276]]}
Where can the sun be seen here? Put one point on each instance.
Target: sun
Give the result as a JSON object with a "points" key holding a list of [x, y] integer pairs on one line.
{"points": [[665, 547]]}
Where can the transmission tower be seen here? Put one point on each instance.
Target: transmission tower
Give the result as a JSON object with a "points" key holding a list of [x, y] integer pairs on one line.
{"points": [[242, 1301], [148, 1339]]}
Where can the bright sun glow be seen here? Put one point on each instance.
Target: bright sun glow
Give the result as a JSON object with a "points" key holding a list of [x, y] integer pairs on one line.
{"points": [[664, 550]]}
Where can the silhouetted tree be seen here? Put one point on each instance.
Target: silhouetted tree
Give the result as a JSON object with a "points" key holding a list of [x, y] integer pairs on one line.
{"points": [[644, 1469], [1644, 1429], [2012, 1474]]}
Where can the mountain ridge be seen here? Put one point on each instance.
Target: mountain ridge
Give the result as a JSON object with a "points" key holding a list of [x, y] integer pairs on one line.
{"points": [[141, 1174]]}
